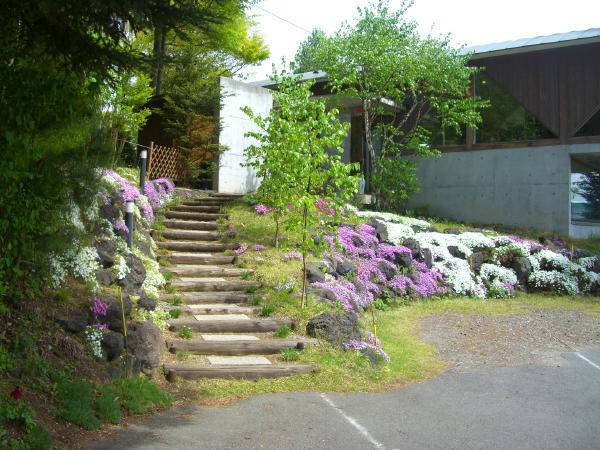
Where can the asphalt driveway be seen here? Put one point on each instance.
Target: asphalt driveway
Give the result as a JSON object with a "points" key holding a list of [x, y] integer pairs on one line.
{"points": [[552, 405]]}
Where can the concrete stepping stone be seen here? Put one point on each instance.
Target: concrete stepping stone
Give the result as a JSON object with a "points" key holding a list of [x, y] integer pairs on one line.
{"points": [[229, 337], [238, 361], [212, 317]]}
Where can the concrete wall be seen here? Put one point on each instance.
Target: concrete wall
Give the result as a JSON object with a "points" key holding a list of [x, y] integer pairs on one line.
{"points": [[232, 177], [528, 187]]}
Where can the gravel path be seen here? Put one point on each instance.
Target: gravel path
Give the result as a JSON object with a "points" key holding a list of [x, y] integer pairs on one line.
{"points": [[475, 341]]}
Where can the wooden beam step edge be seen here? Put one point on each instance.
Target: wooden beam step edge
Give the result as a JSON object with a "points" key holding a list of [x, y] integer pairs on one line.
{"points": [[239, 372]]}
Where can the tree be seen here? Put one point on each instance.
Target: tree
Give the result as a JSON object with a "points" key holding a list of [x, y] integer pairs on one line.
{"points": [[400, 79], [589, 188], [298, 157], [307, 57]]}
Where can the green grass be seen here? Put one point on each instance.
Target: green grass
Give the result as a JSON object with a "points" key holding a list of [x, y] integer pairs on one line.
{"points": [[267, 310], [186, 333], [283, 331], [140, 396], [169, 276], [108, 407], [175, 301], [290, 354], [76, 403], [175, 313], [170, 289]]}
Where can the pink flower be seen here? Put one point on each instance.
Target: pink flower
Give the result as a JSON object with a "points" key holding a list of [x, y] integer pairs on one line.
{"points": [[98, 308], [259, 248], [120, 226], [262, 209], [16, 393], [292, 255], [241, 249]]}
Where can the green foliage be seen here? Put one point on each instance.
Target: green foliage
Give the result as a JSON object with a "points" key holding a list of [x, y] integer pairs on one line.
{"points": [[139, 395], [401, 80], [298, 159], [169, 275], [283, 331], [6, 361], [246, 275], [186, 333], [20, 416], [108, 407], [590, 190], [307, 55], [183, 355], [175, 313], [62, 295], [76, 403], [290, 354], [267, 310], [170, 289], [176, 300]]}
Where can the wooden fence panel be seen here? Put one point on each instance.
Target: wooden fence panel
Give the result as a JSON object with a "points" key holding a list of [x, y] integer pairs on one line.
{"points": [[166, 162]]}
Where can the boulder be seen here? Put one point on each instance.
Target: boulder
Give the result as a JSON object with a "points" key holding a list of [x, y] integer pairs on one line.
{"points": [[477, 260], [313, 273], [427, 257], [403, 260], [380, 229], [147, 303], [112, 344], [452, 231], [144, 340], [345, 266], [522, 268], [114, 315], [137, 274], [456, 252], [388, 271], [110, 212], [335, 328], [413, 245], [73, 323], [143, 242], [107, 250], [105, 277]]}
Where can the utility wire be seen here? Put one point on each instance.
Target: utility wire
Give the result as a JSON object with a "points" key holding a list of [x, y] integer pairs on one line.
{"points": [[283, 19]]}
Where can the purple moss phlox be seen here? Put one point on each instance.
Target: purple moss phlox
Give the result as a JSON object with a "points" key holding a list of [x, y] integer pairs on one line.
{"points": [[98, 308], [261, 209], [291, 255], [371, 343], [241, 249], [258, 248]]}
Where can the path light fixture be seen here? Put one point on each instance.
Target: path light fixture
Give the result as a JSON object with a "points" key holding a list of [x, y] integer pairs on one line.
{"points": [[129, 205], [143, 166]]}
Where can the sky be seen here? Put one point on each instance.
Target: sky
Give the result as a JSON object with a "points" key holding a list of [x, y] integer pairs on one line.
{"points": [[470, 22]]}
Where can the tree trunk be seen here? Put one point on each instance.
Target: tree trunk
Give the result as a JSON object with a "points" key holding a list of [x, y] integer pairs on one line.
{"points": [[305, 216], [368, 136], [158, 54], [276, 230]]}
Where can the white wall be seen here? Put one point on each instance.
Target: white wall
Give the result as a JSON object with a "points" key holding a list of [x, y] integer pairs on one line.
{"points": [[233, 178]]}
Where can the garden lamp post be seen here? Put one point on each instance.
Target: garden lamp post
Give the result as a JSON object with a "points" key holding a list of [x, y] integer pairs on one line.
{"points": [[129, 222], [143, 165]]}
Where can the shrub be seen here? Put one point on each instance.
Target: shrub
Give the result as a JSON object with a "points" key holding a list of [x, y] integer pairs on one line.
{"points": [[108, 407], [283, 331], [139, 395], [186, 333], [267, 310], [290, 354], [76, 403]]}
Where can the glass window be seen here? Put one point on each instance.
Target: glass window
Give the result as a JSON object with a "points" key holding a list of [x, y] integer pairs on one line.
{"points": [[592, 126], [505, 120]]}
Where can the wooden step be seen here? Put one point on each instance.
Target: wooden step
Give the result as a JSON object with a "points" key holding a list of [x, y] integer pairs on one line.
{"points": [[205, 270], [231, 348], [205, 202], [231, 326], [201, 235], [199, 258], [226, 196], [184, 215], [198, 298], [251, 372], [191, 225], [197, 208], [213, 284], [196, 246], [218, 308]]}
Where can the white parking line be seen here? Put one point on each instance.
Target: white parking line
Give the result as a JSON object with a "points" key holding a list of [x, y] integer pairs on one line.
{"points": [[362, 430], [591, 363]]}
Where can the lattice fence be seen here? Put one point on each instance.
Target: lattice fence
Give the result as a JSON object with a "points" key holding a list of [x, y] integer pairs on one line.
{"points": [[166, 162]]}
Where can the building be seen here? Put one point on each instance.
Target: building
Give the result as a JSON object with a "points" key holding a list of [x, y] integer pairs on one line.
{"points": [[516, 168]]}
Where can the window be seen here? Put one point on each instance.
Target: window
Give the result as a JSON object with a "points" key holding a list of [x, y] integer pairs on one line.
{"points": [[505, 120], [592, 126]]}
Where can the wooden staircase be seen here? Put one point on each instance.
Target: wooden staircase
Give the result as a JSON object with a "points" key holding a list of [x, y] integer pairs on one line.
{"points": [[231, 341]]}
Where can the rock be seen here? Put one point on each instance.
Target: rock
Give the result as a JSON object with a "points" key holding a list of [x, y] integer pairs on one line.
{"points": [[110, 212], [73, 323], [413, 245], [427, 257], [105, 277], [381, 230], [322, 293], [522, 268], [387, 270], [477, 260], [107, 250], [313, 273], [371, 355], [113, 344], [452, 231], [129, 367], [335, 328], [143, 242], [114, 315], [345, 266], [403, 260], [456, 252], [144, 339], [137, 274], [431, 229], [596, 265], [67, 347], [149, 304]]}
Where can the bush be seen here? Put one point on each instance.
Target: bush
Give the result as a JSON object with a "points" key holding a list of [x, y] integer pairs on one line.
{"points": [[76, 403], [139, 395], [186, 333], [283, 331]]}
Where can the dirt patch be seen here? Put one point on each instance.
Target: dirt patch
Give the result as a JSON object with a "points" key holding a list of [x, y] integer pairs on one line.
{"points": [[475, 341]]}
